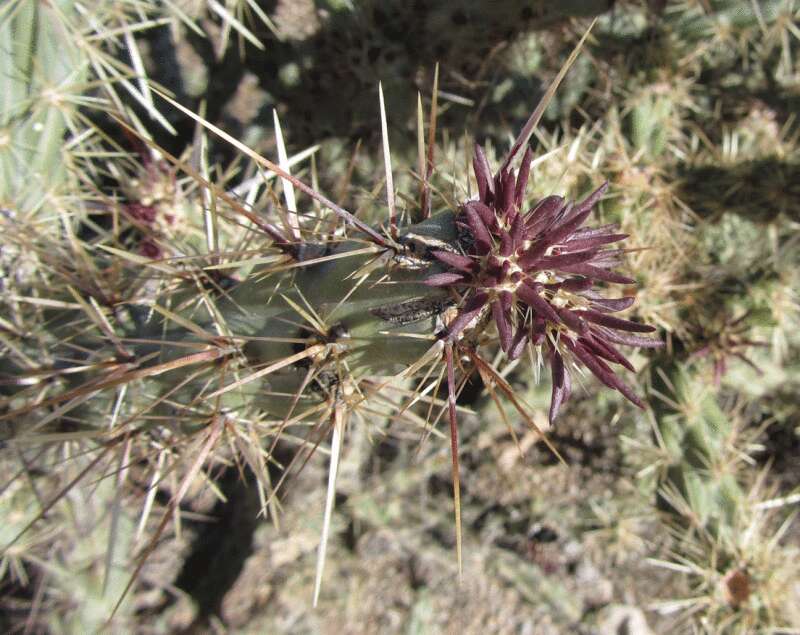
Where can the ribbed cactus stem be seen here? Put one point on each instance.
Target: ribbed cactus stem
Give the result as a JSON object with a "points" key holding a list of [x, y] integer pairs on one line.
{"points": [[39, 62], [349, 301], [697, 435]]}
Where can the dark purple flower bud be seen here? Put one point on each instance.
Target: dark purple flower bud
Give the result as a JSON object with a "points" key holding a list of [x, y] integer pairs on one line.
{"points": [[142, 213], [509, 252]]}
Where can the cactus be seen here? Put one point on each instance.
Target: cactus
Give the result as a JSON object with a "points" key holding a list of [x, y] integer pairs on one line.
{"points": [[41, 67], [728, 541], [189, 315]]}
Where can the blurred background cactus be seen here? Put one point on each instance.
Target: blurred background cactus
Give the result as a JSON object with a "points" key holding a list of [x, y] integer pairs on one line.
{"points": [[214, 379]]}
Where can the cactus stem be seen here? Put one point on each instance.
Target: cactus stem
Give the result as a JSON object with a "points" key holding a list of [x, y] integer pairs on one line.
{"points": [[282, 363]]}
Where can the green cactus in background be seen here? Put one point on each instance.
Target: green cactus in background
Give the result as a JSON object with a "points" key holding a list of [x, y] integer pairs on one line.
{"points": [[727, 541], [41, 68]]}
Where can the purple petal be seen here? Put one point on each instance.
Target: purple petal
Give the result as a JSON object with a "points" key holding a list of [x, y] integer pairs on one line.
{"points": [[615, 323], [518, 343], [463, 263], [589, 202], [506, 243], [486, 214], [561, 385], [566, 227], [522, 177], [443, 279], [572, 320], [612, 305], [535, 232], [541, 244], [597, 273], [606, 351], [517, 231], [602, 371], [538, 329], [503, 325], [507, 300], [628, 339], [608, 258], [576, 244], [601, 230], [576, 285], [544, 212], [483, 239], [483, 174], [507, 181], [466, 314], [560, 260], [530, 295], [545, 240]]}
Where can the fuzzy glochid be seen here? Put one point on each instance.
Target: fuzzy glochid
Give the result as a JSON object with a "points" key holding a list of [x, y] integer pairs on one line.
{"points": [[535, 272]]}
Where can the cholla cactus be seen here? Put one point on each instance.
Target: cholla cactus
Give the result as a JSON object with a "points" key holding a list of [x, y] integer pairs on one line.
{"points": [[314, 334], [182, 319]]}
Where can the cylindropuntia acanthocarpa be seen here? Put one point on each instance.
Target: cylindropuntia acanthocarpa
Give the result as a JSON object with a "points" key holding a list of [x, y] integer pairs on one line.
{"points": [[315, 333]]}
